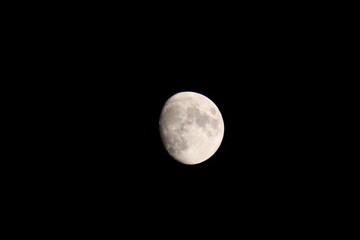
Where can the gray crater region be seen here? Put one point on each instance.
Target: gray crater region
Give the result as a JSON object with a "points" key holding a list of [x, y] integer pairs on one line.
{"points": [[191, 127]]}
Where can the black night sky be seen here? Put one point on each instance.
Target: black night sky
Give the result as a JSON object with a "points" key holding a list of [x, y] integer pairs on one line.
{"points": [[112, 75]]}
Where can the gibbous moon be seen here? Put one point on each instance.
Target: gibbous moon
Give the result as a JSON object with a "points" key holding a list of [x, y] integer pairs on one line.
{"points": [[191, 127]]}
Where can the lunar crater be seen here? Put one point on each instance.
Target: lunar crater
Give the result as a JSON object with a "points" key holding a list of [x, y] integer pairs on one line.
{"points": [[177, 144]]}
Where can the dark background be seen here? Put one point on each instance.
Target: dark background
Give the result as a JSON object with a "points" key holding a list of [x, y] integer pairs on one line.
{"points": [[102, 78], [116, 76]]}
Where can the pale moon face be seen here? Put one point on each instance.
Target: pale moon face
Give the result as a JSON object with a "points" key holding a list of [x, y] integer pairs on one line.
{"points": [[191, 127]]}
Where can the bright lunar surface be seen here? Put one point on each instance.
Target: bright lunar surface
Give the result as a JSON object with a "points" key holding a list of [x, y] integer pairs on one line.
{"points": [[191, 127]]}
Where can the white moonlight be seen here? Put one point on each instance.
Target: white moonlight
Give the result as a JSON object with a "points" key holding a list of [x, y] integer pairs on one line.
{"points": [[191, 127]]}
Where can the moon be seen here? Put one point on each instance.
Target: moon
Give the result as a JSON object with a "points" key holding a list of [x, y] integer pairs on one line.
{"points": [[191, 127]]}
